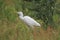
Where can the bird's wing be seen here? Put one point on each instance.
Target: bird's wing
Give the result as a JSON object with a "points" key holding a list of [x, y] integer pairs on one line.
{"points": [[30, 21]]}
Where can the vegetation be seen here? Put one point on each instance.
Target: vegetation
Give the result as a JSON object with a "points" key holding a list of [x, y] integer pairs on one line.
{"points": [[46, 12]]}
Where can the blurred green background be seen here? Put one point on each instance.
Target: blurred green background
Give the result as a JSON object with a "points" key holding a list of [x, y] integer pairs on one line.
{"points": [[46, 12]]}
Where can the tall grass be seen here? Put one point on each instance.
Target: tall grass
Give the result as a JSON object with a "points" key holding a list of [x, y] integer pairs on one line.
{"points": [[12, 28], [19, 31]]}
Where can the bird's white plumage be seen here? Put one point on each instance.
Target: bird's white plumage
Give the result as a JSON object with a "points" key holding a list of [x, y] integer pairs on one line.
{"points": [[28, 20]]}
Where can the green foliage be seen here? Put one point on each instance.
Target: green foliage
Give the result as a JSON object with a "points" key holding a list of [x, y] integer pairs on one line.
{"points": [[40, 9], [9, 13], [46, 12]]}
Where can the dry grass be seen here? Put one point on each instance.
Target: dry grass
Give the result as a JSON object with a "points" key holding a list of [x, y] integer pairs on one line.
{"points": [[48, 34], [19, 31]]}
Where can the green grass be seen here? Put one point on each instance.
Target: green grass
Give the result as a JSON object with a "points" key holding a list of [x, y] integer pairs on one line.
{"points": [[12, 28], [18, 31]]}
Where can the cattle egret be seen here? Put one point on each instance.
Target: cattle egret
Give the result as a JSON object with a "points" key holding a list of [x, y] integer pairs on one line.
{"points": [[28, 20]]}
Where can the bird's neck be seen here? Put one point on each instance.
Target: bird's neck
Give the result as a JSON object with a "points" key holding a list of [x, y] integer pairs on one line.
{"points": [[21, 17]]}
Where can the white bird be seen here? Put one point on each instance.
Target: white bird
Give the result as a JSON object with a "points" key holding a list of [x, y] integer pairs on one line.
{"points": [[28, 20]]}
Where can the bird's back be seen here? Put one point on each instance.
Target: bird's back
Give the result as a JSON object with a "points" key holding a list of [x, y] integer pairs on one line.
{"points": [[30, 21]]}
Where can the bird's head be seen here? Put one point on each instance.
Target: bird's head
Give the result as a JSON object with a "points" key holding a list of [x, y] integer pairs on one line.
{"points": [[20, 13]]}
